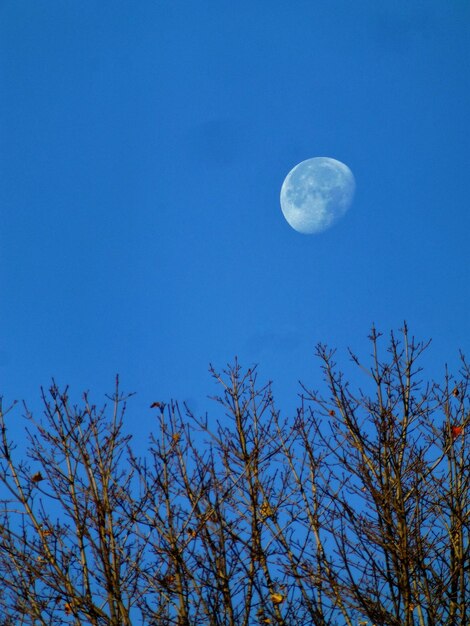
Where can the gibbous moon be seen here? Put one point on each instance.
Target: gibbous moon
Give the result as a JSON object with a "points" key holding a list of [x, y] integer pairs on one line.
{"points": [[316, 194]]}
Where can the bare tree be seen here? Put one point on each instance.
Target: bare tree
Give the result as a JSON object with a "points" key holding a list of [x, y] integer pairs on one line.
{"points": [[69, 553], [393, 465], [353, 511]]}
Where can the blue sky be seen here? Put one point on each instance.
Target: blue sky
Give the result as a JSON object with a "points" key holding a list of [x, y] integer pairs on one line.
{"points": [[142, 150]]}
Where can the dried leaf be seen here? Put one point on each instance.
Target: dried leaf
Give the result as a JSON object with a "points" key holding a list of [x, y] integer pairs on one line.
{"points": [[277, 598]]}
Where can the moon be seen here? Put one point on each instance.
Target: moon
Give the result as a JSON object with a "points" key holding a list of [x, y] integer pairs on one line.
{"points": [[316, 193]]}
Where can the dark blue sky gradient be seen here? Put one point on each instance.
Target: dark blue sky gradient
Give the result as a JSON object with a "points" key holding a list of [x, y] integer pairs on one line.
{"points": [[142, 150]]}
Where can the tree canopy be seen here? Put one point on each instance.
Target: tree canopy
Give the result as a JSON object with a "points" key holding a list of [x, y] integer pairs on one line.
{"points": [[353, 511]]}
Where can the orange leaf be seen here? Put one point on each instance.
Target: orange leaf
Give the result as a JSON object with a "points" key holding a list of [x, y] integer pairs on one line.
{"points": [[277, 598]]}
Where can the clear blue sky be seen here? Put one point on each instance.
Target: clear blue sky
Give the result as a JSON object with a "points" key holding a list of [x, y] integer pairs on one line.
{"points": [[142, 150]]}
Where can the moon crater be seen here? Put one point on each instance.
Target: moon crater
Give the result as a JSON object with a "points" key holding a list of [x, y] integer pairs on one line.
{"points": [[316, 193]]}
